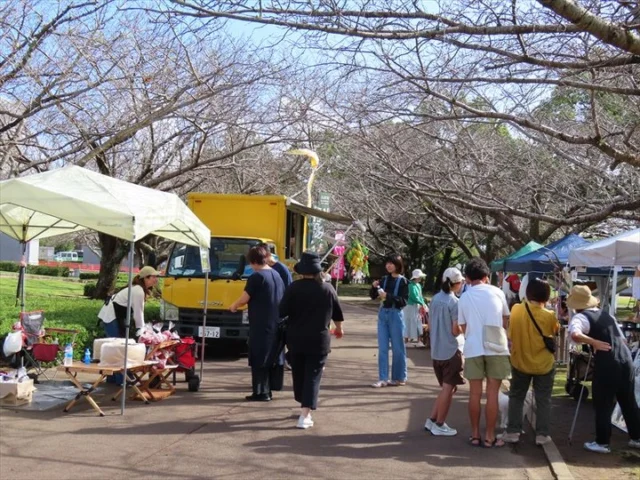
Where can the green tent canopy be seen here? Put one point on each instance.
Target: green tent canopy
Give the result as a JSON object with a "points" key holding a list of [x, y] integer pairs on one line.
{"points": [[498, 265]]}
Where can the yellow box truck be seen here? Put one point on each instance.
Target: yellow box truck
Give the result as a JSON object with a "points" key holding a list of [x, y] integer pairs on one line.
{"points": [[237, 222]]}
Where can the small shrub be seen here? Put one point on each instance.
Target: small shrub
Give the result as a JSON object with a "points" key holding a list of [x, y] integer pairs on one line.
{"points": [[89, 276], [9, 267], [89, 289]]}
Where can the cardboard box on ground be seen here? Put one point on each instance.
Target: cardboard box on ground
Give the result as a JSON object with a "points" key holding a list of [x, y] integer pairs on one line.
{"points": [[14, 393]]}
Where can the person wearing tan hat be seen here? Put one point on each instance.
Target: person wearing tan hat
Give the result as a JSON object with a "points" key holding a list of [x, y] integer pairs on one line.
{"points": [[116, 307], [415, 306], [613, 371]]}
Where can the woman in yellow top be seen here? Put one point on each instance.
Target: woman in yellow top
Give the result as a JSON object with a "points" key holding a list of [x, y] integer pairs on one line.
{"points": [[531, 360]]}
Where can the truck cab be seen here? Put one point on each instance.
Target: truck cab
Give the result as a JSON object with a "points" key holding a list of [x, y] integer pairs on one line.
{"points": [[183, 285], [237, 223]]}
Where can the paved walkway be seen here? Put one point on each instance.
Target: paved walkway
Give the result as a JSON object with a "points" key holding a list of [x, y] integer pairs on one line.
{"points": [[360, 432]]}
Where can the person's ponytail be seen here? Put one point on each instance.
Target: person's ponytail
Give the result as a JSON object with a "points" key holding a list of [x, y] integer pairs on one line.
{"points": [[446, 286]]}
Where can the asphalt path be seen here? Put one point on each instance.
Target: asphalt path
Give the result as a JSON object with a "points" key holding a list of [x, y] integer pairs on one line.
{"points": [[359, 432]]}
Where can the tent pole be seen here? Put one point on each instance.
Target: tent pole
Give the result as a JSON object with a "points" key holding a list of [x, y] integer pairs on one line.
{"points": [[127, 323], [23, 268], [204, 321], [614, 291], [22, 277]]}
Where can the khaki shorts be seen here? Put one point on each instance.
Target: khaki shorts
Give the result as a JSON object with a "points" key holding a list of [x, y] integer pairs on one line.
{"points": [[487, 366], [449, 371]]}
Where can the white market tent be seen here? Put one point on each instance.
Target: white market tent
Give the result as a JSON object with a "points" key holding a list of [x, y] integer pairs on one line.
{"points": [[617, 252], [73, 198]]}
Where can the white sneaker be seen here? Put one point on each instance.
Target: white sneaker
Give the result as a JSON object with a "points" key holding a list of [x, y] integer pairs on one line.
{"points": [[429, 424], [305, 422], [597, 448], [379, 384], [510, 437], [443, 431], [542, 439], [634, 443]]}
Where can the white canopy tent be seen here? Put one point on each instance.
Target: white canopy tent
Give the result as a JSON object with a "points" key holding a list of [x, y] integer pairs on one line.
{"points": [[617, 252], [73, 198]]}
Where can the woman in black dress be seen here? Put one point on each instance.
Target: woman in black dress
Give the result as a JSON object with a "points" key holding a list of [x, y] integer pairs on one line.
{"points": [[310, 305], [262, 294]]}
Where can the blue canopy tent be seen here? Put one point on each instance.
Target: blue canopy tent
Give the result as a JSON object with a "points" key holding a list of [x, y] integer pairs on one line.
{"points": [[546, 259]]}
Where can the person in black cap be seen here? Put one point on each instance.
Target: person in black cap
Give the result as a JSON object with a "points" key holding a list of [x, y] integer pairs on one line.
{"points": [[310, 305]]}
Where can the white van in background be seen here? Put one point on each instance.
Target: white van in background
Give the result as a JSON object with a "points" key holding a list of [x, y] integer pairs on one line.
{"points": [[66, 257]]}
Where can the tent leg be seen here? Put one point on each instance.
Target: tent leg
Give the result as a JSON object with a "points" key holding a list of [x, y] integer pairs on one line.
{"points": [[204, 322], [614, 291], [127, 323], [22, 276]]}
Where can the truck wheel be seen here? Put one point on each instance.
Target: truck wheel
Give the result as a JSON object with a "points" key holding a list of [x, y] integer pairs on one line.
{"points": [[194, 383]]}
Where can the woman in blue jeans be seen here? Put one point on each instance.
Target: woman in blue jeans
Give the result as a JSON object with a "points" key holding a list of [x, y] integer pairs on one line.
{"points": [[393, 290]]}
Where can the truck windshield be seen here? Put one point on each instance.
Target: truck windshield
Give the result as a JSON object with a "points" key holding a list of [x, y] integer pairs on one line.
{"points": [[227, 257]]}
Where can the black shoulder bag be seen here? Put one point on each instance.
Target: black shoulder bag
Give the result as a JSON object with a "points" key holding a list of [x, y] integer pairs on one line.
{"points": [[549, 342]]}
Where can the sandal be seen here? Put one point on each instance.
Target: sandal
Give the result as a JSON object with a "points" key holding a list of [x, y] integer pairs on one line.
{"points": [[494, 443], [475, 442]]}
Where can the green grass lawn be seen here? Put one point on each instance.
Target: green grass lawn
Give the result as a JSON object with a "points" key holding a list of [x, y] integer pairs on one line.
{"points": [[63, 304]]}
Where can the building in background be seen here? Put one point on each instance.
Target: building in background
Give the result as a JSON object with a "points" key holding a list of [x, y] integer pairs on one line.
{"points": [[11, 250]]}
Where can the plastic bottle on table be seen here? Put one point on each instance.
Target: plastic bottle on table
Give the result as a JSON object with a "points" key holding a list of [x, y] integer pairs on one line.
{"points": [[87, 356], [68, 355]]}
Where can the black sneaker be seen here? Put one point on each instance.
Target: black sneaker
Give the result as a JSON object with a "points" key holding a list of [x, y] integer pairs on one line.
{"points": [[258, 398]]}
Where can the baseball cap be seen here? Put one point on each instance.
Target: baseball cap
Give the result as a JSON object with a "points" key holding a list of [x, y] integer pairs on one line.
{"points": [[453, 275], [148, 271]]}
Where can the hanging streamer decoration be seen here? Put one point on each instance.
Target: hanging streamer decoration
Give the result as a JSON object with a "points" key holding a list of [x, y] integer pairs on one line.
{"points": [[315, 163]]}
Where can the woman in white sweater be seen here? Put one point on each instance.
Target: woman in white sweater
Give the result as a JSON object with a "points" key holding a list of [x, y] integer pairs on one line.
{"points": [[116, 308]]}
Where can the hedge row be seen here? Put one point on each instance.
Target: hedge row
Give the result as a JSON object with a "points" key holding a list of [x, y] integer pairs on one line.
{"points": [[122, 277], [89, 276], [90, 287], [36, 269]]}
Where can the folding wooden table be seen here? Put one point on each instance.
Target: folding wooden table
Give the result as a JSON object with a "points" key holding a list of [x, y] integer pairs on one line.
{"points": [[73, 370], [159, 376]]}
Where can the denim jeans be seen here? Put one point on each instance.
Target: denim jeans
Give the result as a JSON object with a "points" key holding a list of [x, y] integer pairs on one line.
{"points": [[391, 328], [542, 390]]}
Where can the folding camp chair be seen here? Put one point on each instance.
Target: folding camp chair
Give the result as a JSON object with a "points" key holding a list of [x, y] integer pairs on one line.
{"points": [[38, 346]]}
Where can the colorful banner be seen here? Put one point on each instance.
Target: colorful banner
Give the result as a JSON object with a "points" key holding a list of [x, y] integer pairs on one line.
{"points": [[337, 271]]}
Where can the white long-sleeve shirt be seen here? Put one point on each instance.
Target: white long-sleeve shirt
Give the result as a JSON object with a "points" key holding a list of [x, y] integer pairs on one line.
{"points": [[108, 314]]}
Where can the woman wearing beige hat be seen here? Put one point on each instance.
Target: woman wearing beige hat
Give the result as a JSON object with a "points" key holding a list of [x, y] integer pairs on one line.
{"points": [[613, 372], [415, 306], [116, 307]]}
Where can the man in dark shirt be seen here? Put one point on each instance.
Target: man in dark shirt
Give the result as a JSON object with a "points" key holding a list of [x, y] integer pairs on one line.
{"points": [[310, 305], [282, 270], [278, 266]]}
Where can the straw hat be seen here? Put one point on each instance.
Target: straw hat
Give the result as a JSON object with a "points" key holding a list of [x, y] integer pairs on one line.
{"points": [[580, 298]]}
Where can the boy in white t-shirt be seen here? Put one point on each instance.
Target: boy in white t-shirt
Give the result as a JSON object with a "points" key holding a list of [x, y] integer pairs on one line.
{"points": [[482, 313]]}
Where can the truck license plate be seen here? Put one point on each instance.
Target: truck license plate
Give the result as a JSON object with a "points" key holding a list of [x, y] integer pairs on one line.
{"points": [[209, 332]]}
